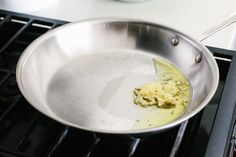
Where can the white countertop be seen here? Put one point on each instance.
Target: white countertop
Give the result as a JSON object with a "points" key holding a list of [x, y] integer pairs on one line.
{"points": [[190, 16]]}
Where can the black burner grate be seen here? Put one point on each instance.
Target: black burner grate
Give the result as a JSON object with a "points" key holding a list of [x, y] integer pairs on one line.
{"points": [[24, 132]]}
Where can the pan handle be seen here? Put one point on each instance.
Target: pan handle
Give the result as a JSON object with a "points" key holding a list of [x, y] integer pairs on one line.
{"points": [[227, 22]]}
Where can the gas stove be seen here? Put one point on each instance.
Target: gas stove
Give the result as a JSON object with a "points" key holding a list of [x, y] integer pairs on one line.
{"points": [[24, 132]]}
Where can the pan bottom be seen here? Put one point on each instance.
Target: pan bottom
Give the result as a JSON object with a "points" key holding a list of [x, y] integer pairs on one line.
{"points": [[95, 92]]}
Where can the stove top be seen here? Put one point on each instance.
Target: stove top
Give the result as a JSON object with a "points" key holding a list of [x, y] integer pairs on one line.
{"points": [[24, 132]]}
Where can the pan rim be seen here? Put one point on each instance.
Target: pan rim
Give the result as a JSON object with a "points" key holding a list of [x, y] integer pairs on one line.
{"points": [[30, 50]]}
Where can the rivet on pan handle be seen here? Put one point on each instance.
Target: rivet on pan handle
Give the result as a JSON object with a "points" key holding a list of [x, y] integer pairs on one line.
{"points": [[174, 41], [198, 58]]}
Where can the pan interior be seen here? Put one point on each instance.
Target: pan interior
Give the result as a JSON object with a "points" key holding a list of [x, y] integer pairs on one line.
{"points": [[96, 91]]}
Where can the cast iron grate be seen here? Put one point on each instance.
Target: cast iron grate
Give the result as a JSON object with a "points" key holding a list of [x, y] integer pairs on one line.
{"points": [[24, 132]]}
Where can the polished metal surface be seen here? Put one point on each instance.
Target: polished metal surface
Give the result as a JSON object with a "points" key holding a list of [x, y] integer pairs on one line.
{"points": [[223, 24], [198, 58], [175, 41], [82, 74]]}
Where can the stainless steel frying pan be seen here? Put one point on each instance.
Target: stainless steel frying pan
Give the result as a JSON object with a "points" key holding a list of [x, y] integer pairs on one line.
{"points": [[82, 74]]}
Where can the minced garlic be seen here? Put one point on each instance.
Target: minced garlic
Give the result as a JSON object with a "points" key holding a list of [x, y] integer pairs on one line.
{"points": [[170, 90]]}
